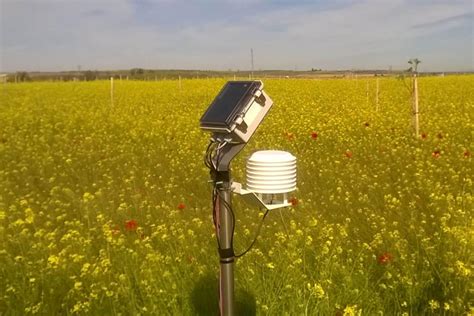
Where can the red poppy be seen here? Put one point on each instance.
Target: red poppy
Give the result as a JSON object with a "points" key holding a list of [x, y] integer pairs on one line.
{"points": [[440, 136], [131, 225], [289, 135], [181, 206], [348, 154], [467, 154], [293, 201], [314, 135], [424, 135], [436, 153], [366, 124], [385, 258]]}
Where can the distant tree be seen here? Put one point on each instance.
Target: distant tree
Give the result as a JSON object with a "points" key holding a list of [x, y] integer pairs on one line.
{"points": [[90, 75], [414, 65], [23, 76], [137, 71]]}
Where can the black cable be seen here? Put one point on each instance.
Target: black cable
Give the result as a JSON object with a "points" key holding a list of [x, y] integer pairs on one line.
{"points": [[214, 153], [208, 155], [256, 235], [208, 161], [215, 196], [229, 208], [227, 205]]}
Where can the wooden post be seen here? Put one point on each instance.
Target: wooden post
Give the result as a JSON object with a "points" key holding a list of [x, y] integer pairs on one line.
{"points": [[367, 92], [416, 110], [377, 95], [112, 91]]}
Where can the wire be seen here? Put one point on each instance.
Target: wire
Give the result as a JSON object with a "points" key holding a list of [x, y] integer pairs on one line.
{"points": [[214, 215], [208, 161], [229, 208], [208, 156], [256, 235], [212, 159]]}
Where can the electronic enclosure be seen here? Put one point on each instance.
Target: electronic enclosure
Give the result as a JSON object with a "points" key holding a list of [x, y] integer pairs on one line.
{"points": [[237, 110]]}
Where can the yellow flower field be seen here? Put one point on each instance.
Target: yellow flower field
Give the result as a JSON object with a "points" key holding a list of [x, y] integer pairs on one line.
{"points": [[106, 210]]}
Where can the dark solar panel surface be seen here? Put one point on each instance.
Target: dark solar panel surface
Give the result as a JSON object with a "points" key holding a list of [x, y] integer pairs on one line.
{"points": [[229, 103]]}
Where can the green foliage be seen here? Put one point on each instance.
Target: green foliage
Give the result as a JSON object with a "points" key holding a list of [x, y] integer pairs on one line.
{"points": [[22, 76], [90, 75], [91, 201]]}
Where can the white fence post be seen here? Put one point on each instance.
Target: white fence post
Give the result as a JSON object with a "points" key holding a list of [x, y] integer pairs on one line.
{"points": [[377, 95], [112, 91], [416, 110]]}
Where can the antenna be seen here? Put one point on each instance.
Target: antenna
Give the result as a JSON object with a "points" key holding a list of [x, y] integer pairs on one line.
{"points": [[251, 58]]}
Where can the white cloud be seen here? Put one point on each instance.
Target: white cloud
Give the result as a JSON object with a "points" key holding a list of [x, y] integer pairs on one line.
{"points": [[60, 34]]}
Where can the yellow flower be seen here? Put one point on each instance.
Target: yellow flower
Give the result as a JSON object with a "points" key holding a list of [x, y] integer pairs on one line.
{"points": [[53, 261], [351, 310], [87, 197], [270, 265], [316, 290], [462, 270], [434, 305]]}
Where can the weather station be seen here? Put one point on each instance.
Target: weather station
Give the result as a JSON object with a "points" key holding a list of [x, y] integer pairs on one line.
{"points": [[233, 118]]}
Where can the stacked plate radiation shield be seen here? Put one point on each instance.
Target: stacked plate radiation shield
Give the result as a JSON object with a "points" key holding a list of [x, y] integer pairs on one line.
{"points": [[271, 173]]}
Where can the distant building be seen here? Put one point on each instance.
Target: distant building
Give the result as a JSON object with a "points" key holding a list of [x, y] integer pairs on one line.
{"points": [[3, 78]]}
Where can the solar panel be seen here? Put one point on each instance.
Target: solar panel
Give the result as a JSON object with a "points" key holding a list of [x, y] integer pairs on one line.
{"points": [[229, 103]]}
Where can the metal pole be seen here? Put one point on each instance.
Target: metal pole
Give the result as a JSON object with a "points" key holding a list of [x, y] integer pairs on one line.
{"points": [[226, 274], [222, 179]]}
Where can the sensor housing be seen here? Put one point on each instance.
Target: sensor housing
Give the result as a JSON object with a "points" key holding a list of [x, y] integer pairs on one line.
{"points": [[237, 111]]}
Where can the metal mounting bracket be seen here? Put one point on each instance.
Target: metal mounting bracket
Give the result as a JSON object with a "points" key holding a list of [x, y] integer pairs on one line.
{"points": [[256, 199]]}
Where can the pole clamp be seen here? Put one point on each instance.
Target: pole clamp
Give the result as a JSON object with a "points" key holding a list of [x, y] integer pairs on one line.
{"points": [[220, 176], [227, 255]]}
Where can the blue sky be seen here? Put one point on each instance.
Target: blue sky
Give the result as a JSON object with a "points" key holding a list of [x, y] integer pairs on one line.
{"points": [[56, 35]]}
